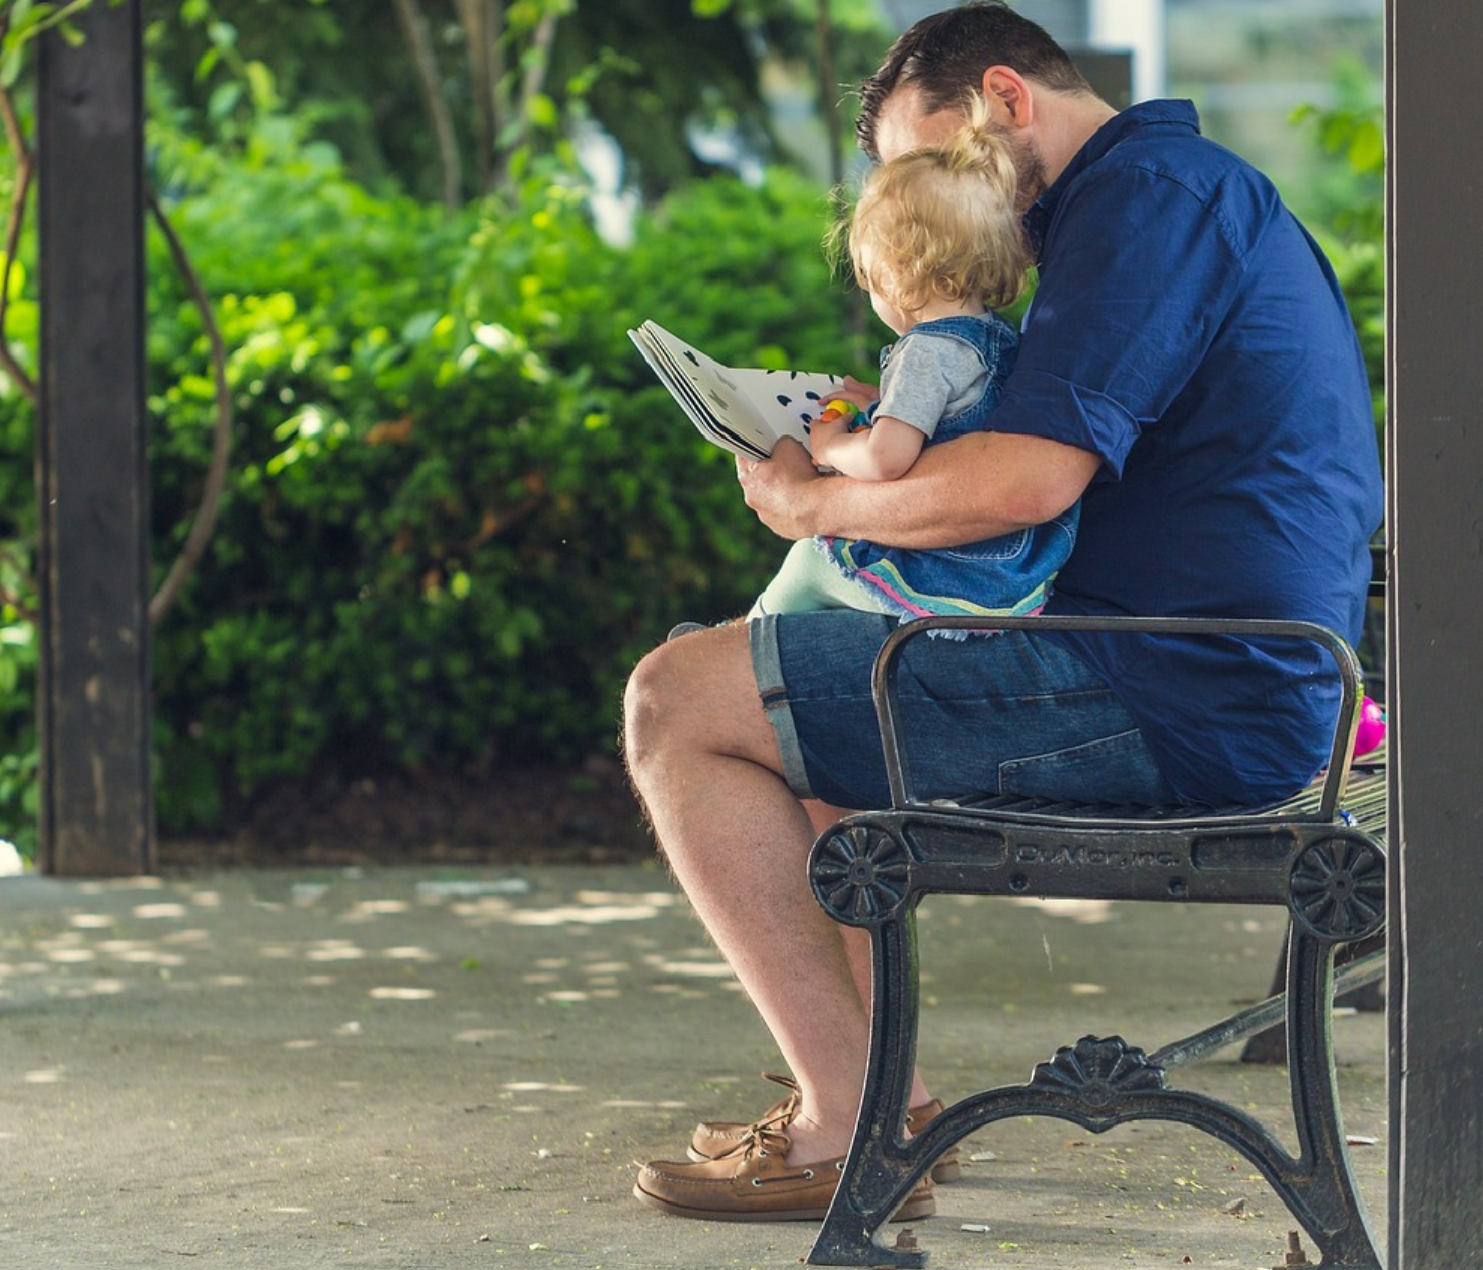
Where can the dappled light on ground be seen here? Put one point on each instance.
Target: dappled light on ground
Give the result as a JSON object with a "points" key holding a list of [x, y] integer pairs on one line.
{"points": [[109, 943], [390, 1066]]}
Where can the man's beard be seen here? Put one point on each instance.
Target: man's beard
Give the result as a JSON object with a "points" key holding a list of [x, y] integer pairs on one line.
{"points": [[1029, 171], [1029, 167]]}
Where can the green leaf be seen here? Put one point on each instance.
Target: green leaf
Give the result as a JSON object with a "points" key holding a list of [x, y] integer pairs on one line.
{"points": [[224, 100], [420, 326], [12, 62], [1367, 148], [264, 90], [208, 63], [542, 112]]}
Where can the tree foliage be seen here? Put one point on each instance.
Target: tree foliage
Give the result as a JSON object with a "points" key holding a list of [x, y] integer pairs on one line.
{"points": [[1353, 231], [460, 507], [436, 95]]}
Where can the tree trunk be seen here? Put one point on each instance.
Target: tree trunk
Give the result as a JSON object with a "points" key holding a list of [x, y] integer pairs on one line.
{"points": [[414, 27], [829, 95], [483, 23]]}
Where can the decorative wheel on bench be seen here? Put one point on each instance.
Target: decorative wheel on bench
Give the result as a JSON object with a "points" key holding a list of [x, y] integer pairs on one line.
{"points": [[1320, 855]]}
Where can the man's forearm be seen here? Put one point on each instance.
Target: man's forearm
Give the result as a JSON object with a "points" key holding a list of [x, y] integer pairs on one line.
{"points": [[980, 486]]}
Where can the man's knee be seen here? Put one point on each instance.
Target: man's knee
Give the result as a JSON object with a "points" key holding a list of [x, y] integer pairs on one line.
{"points": [[651, 684], [663, 693], [691, 696]]}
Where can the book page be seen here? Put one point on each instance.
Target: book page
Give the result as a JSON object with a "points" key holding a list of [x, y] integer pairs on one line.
{"points": [[744, 411]]}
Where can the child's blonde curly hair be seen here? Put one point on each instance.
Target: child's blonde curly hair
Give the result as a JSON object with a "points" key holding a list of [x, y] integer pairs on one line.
{"points": [[940, 222]]}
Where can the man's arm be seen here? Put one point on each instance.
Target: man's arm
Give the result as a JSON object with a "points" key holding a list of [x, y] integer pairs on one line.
{"points": [[978, 486]]}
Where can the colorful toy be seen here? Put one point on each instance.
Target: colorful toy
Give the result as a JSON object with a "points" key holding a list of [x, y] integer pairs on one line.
{"points": [[1371, 729], [838, 410]]}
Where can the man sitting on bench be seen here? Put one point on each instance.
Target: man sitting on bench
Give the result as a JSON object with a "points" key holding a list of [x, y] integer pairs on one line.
{"points": [[1189, 370]]}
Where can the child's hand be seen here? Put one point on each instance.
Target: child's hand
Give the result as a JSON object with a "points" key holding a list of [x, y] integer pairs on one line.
{"points": [[857, 392], [827, 431], [881, 452]]}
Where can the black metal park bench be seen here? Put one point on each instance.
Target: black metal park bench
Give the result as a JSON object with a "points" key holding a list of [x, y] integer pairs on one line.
{"points": [[1319, 855]]}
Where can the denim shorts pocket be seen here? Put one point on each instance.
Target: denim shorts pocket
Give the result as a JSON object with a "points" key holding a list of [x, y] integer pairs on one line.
{"points": [[1006, 547], [1110, 769]]}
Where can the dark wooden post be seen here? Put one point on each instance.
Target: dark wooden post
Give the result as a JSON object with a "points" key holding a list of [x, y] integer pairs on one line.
{"points": [[96, 800], [1435, 638]]}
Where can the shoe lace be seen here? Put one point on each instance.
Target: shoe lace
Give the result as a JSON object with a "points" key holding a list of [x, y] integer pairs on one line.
{"points": [[782, 1117], [765, 1138]]}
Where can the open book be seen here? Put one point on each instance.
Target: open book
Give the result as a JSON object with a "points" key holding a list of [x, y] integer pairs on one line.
{"points": [[744, 411]]}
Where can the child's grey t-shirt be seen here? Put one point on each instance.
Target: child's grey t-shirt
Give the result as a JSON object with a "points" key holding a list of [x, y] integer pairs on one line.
{"points": [[927, 377]]}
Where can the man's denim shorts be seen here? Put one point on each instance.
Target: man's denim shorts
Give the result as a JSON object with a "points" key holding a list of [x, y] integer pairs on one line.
{"points": [[1009, 713]]}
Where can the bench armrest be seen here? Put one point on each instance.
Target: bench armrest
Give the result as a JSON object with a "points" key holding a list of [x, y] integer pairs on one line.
{"points": [[888, 659]]}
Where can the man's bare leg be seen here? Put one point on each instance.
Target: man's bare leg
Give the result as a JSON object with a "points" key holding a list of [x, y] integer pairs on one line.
{"points": [[704, 760], [857, 944]]}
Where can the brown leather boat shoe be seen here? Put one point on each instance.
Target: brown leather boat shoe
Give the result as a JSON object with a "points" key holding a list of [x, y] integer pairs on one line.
{"points": [[756, 1183], [715, 1138]]}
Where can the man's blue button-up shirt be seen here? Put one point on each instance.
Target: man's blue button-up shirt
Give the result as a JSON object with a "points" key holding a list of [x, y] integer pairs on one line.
{"points": [[1189, 332]]}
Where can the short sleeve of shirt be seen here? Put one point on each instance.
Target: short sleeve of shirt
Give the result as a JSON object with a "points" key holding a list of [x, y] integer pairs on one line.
{"points": [[929, 377], [1125, 316]]}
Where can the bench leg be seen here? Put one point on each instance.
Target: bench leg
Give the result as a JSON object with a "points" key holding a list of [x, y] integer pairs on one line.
{"points": [[882, 1169], [1335, 889], [1323, 1184], [1097, 1084]]}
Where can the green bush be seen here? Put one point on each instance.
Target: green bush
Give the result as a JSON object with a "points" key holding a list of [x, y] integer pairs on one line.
{"points": [[460, 506], [1353, 231]]}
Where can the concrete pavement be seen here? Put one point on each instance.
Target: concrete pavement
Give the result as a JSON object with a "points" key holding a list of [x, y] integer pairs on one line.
{"points": [[457, 1067]]}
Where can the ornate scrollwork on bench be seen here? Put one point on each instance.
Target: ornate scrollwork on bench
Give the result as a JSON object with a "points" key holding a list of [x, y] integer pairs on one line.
{"points": [[860, 875], [1098, 1071]]}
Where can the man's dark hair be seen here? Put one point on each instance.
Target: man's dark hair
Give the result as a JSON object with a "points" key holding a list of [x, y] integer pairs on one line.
{"points": [[944, 58]]}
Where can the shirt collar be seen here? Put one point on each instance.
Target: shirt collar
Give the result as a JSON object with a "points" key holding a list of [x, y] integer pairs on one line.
{"points": [[1125, 123]]}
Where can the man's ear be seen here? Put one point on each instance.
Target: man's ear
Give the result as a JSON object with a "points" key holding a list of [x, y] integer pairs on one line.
{"points": [[1007, 91]]}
